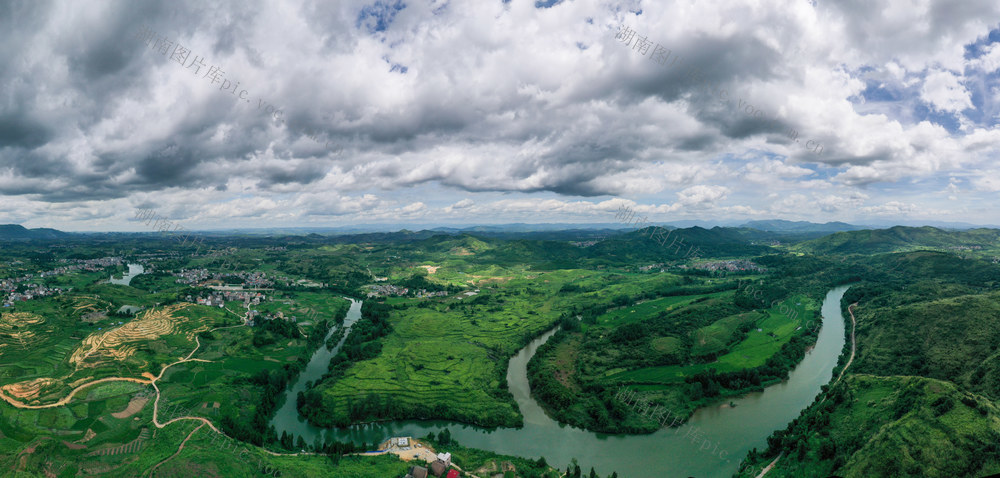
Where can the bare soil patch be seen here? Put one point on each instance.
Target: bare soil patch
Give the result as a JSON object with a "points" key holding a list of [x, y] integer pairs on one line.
{"points": [[29, 389], [133, 407]]}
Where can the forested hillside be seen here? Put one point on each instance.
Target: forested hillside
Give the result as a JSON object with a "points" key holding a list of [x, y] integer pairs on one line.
{"points": [[921, 396], [901, 238]]}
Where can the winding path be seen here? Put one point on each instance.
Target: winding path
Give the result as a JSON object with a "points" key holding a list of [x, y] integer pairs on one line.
{"points": [[850, 310], [178, 452], [63, 401], [768, 467]]}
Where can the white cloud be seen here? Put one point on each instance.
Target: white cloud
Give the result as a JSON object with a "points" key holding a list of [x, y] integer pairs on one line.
{"points": [[944, 90]]}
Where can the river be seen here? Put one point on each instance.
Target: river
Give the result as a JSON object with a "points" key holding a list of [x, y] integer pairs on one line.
{"points": [[133, 270], [676, 452]]}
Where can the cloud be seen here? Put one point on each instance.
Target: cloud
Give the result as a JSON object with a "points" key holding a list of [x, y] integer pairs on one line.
{"points": [[701, 196], [944, 90], [384, 110]]}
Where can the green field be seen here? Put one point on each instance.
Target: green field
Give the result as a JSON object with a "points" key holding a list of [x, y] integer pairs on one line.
{"points": [[775, 330]]}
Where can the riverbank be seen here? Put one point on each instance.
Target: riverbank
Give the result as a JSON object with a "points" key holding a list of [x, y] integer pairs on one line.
{"points": [[667, 452], [576, 375]]}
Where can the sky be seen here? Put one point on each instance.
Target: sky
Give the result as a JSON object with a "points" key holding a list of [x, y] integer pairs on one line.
{"points": [[324, 114]]}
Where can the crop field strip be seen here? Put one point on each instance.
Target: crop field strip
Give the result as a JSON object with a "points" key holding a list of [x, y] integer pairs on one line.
{"points": [[758, 346]]}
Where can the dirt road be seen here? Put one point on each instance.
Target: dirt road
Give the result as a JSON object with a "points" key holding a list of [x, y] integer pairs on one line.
{"points": [[850, 310]]}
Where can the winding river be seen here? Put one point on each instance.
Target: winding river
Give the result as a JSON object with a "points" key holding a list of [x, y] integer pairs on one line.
{"points": [[676, 452]]}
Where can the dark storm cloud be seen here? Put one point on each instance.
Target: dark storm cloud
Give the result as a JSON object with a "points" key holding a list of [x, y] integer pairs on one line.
{"points": [[99, 54], [696, 142], [701, 65], [19, 130], [174, 165], [33, 165], [103, 56], [304, 173]]}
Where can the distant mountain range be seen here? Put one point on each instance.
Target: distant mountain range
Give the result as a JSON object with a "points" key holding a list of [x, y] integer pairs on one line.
{"points": [[18, 232], [900, 238], [778, 227]]}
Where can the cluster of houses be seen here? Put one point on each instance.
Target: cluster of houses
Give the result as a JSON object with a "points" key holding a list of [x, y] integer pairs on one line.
{"points": [[438, 467], [219, 298], [191, 276], [211, 301], [380, 290], [198, 276], [90, 265], [658, 265], [385, 290], [256, 317], [255, 279], [31, 292], [736, 265]]}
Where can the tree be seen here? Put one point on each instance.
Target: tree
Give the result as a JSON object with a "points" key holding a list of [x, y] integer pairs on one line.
{"points": [[444, 437], [827, 449]]}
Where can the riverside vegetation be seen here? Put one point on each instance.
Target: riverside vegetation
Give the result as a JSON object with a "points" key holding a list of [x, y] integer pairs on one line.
{"points": [[922, 397]]}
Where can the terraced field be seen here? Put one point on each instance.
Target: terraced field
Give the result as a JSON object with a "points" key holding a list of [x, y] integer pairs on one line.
{"points": [[65, 356], [119, 343], [436, 358]]}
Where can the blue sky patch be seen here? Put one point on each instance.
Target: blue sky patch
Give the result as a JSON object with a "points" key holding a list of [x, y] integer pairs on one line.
{"points": [[378, 16]]}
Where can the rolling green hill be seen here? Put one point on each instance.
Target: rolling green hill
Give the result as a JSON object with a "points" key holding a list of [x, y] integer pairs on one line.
{"points": [[877, 426], [921, 397], [902, 238]]}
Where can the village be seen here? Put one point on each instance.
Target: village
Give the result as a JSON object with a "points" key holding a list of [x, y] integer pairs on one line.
{"points": [[24, 288], [737, 265], [389, 290], [202, 276]]}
